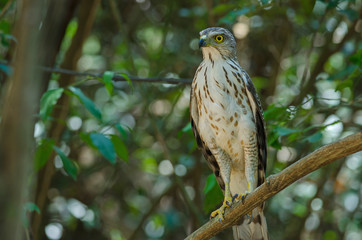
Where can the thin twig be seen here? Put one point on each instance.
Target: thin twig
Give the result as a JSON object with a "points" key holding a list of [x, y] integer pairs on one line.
{"points": [[276, 183], [116, 77]]}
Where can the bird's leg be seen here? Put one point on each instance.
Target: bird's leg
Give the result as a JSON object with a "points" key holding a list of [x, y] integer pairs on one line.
{"points": [[225, 171], [251, 166]]}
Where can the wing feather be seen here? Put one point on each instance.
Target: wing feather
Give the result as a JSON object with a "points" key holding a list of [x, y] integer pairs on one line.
{"points": [[259, 122], [210, 158]]}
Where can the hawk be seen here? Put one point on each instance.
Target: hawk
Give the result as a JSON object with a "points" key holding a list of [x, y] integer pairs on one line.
{"points": [[228, 124]]}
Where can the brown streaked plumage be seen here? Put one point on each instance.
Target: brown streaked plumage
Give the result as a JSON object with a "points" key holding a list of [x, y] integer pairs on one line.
{"points": [[228, 124]]}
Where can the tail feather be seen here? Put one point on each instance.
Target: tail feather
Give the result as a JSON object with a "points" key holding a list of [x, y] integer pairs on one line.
{"points": [[256, 230]]}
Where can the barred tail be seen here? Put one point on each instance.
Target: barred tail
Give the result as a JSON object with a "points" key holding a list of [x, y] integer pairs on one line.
{"points": [[256, 230]]}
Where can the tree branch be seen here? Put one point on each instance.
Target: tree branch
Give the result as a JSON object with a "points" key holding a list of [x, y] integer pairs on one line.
{"points": [[276, 183], [116, 77]]}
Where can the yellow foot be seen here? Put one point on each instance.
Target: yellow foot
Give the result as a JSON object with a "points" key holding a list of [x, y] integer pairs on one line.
{"points": [[226, 204], [241, 197]]}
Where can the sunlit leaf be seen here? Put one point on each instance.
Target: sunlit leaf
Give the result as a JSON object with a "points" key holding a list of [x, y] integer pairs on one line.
{"points": [[68, 164], [105, 146], [48, 101], [107, 79], [43, 153], [120, 148], [87, 102], [149, 165]]}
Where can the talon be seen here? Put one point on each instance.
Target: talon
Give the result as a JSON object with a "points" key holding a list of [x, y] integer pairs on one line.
{"points": [[220, 212], [243, 197], [236, 196]]}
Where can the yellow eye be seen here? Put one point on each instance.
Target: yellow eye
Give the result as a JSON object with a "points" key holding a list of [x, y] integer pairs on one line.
{"points": [[219, 38]]}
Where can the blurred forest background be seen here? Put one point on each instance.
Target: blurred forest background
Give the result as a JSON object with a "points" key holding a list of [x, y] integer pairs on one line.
{"points": [[117, 160]]}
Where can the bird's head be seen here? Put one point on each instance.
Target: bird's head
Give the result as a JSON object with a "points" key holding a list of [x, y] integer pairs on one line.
{"points": [[219, 39]]}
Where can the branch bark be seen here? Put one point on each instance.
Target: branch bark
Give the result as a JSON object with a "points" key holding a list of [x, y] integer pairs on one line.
{"points": [[276, 183]]}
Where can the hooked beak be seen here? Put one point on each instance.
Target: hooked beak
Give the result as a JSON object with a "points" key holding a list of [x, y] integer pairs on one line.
{"points": [[202, 42]]}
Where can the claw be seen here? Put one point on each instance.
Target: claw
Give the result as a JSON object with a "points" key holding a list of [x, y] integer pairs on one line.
{"points": [[220, 212], [243, 197], [236, 196]]}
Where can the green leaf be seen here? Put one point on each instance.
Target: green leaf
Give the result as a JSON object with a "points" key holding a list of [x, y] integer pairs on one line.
{"points": [[330, 235], [68, 164], [122, 131], [350, 14], [43, 153], [149, 164], [273, 112], [273, 140], [48, 100], [213, 194], [186, 129], [230, 18], [88, 103], [210, 183], [86, 138], [107, 79], [356, 58], [5, 26], [8, 70], [120, 148], [282, 131], [31, 207], [222, 8], [299, 210], [314, 137], [127, 79], [105, 146]]}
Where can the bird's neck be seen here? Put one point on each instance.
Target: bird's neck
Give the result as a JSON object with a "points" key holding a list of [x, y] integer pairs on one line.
{"points": [[214, 54]]}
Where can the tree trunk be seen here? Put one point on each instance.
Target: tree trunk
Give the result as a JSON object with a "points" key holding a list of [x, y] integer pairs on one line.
{"points": [[20, 103]]}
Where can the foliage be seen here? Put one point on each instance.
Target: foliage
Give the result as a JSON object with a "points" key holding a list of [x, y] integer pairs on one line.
{"points": [[124, 143]]}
